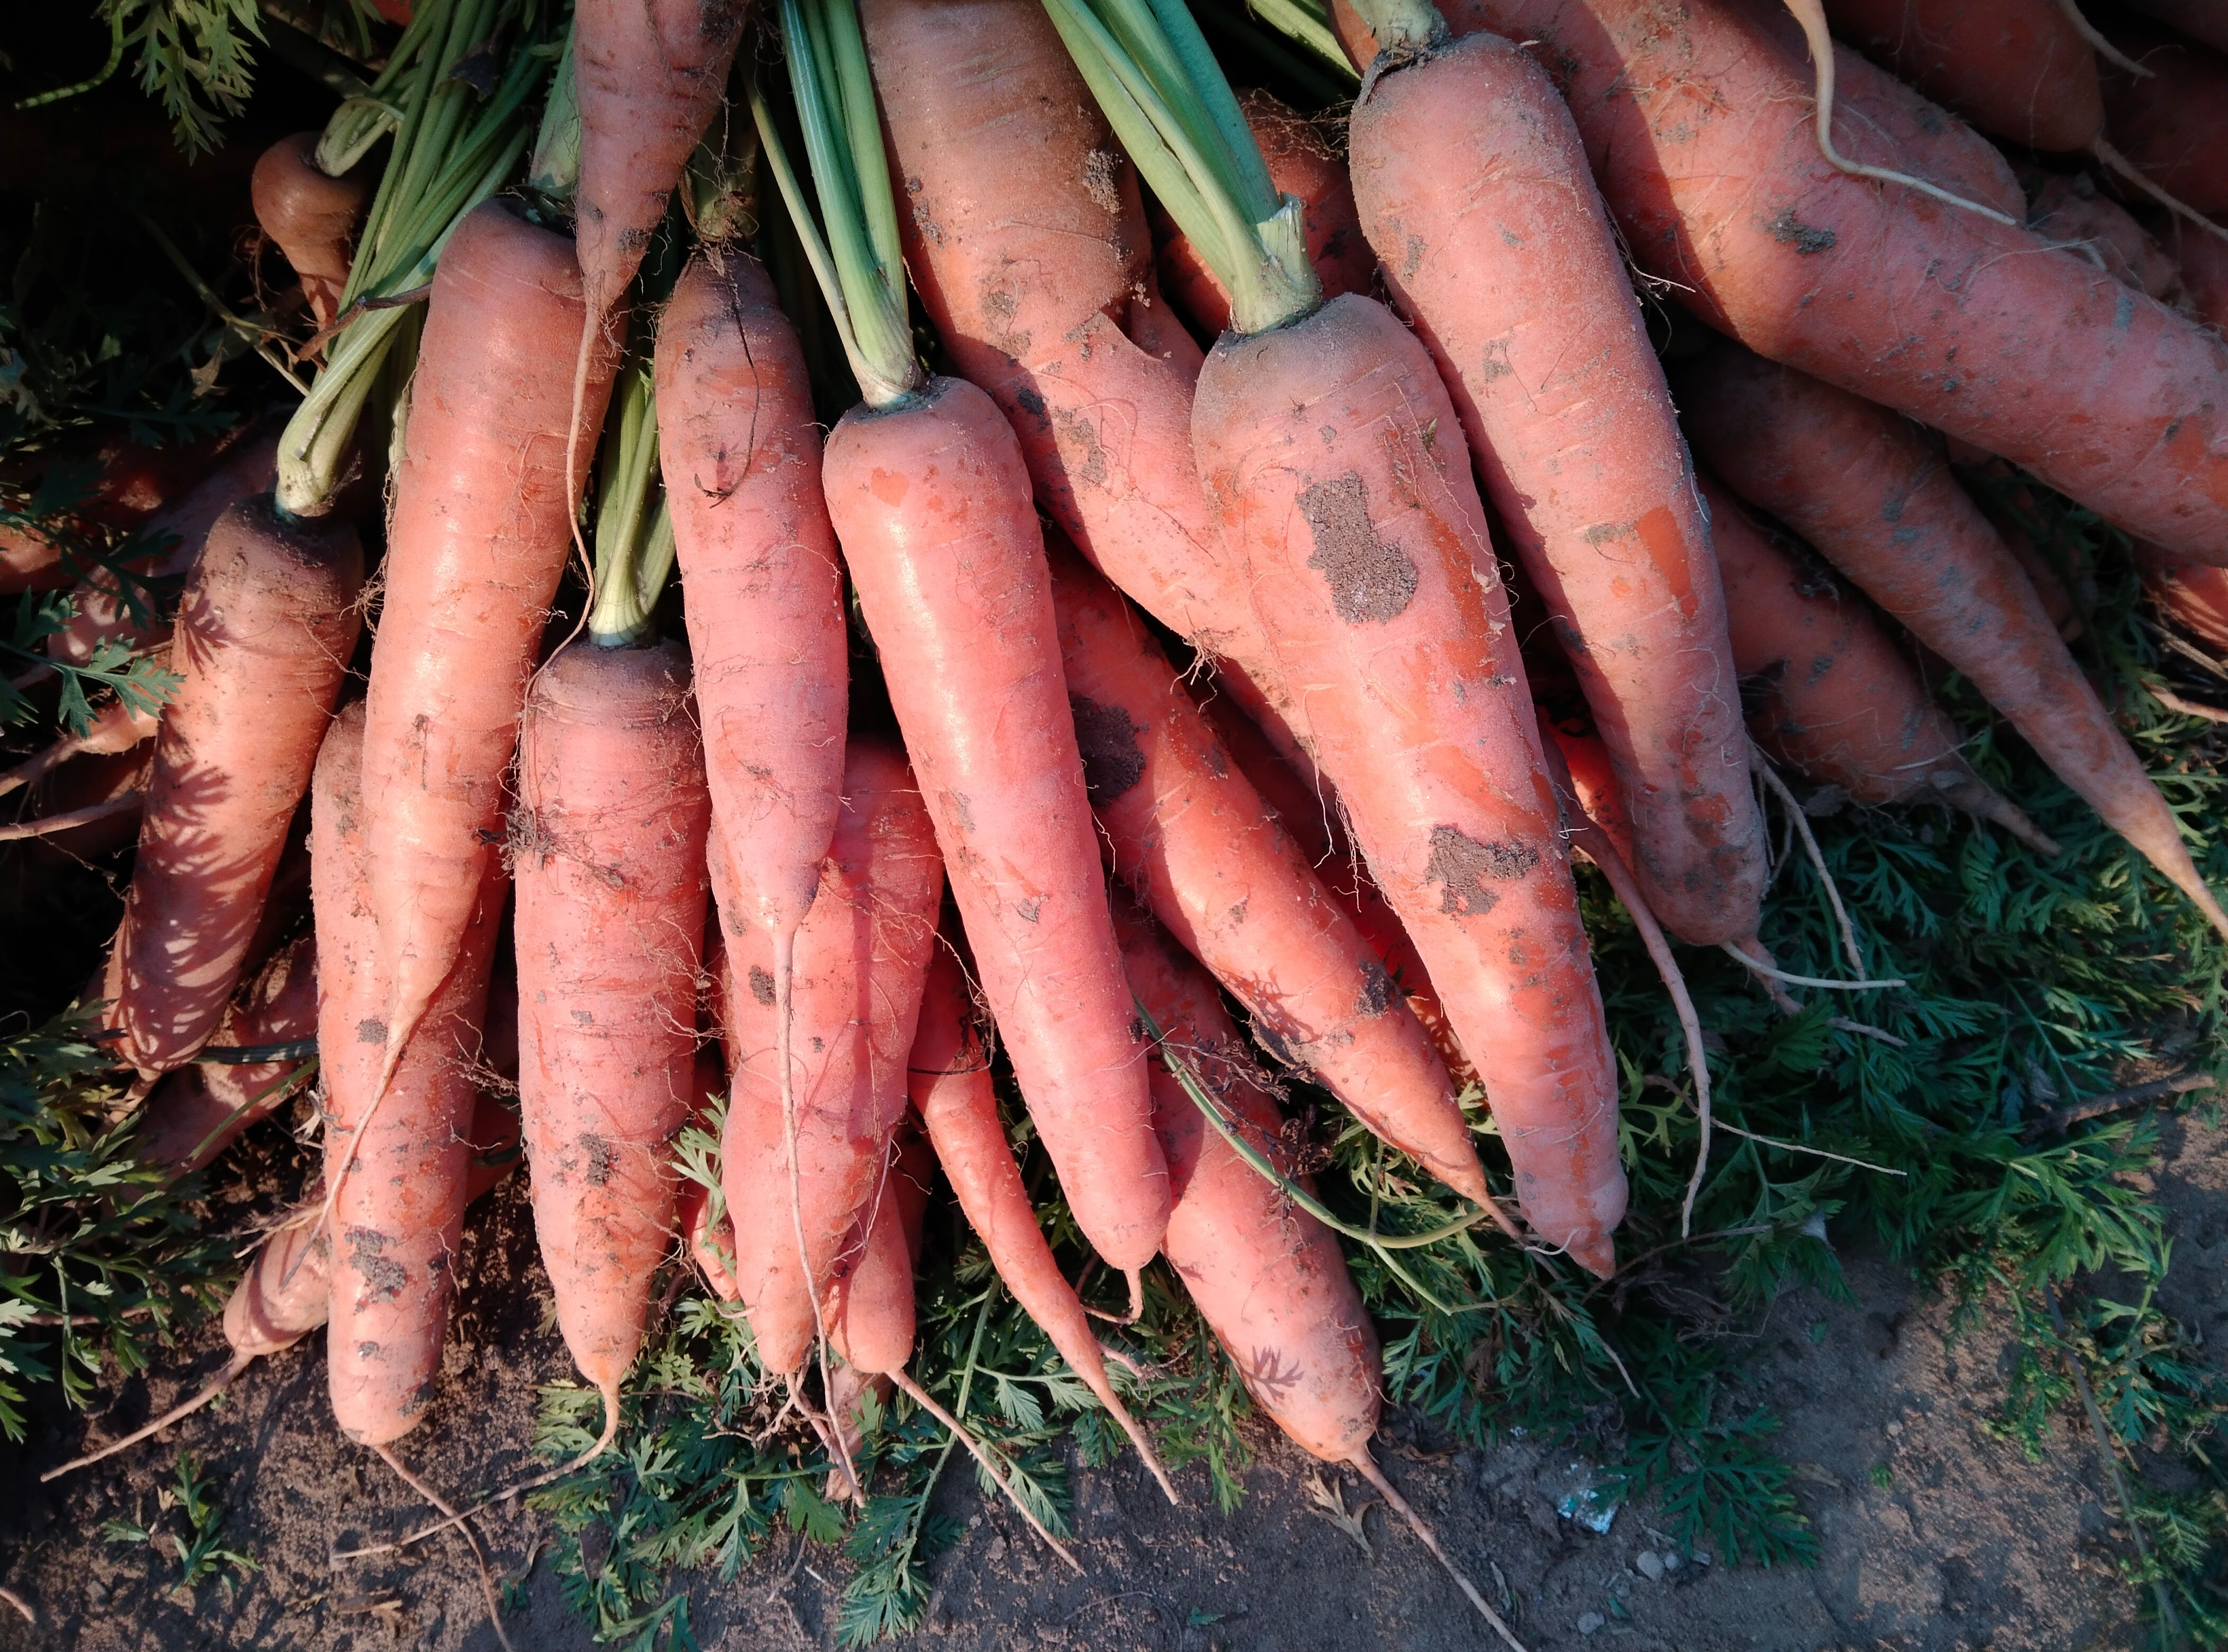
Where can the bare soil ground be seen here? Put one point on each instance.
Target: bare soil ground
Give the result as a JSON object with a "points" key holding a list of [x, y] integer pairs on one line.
{"points": [[1936, 1535]]}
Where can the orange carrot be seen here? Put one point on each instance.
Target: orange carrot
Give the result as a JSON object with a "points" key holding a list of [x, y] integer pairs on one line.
{"points": [[478, 539], [862, 963], [396, 1221], [264, 634], [2068, 209], [1827, 690], [2192, 595], [948, 1079], [2019, 69], [1301, 164], [1191, 836], [932, 505], [1473, 186], [196, 1112], [311, 215], [871, 1311], [1878, 502], [608, 847], [2101, 393]]}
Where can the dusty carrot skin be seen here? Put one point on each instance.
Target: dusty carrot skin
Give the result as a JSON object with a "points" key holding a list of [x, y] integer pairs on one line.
{"points": [[2069, 209], [264, 637], [608, 847], [2172, 124], [1828, 690], [862, 963], [1301, 164], [2018, 68], [311, 215], [1372, 574], [196, 1112], [396, 1221], [1473, 186], [740, 450], [931, 502], [1930, 310], [1880, 503], [649, 75], [1268, 1279], [1187, 832], [982, 109], [481, 529]]}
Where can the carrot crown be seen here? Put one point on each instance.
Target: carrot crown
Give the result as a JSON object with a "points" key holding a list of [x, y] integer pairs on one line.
{"points": [[1165, 96], [856, 259]]}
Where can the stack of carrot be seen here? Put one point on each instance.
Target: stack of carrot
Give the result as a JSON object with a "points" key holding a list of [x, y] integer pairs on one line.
{"points": [[1202, 683]]}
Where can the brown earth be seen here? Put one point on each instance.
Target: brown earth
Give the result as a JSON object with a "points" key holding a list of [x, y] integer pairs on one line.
{"points": [[1935, 1535]]}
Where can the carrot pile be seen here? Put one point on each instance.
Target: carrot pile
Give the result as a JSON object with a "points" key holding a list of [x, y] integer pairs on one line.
{"points": [[1305, 560]]}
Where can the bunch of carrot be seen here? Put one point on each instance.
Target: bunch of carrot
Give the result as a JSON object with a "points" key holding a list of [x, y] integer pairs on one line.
{"points": [[1202, 681]]}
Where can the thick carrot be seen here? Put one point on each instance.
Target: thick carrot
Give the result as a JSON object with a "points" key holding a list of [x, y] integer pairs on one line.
{"points": [[196, 1112], [1301, 164], [1933, 310], [983, 111], [862, 963], [2172, 122], [870, 1321], [741, 455], [1366, 544], [930, 501], [608, 847], [1828, 689], [648, 75], [1189, 833], [311, 215], [2068, 209], [2019, 69], [395, 1223], [1880, 503], [481, 527], [1473, 186], [948, 1079], [269, 621]]}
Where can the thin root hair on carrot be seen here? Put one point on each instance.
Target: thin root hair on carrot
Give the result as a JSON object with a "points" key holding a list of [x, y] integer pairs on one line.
{"points": [[1802, 823], [920, 1397], [471, 1539], [1366, 1466], [217, 1385], [2103, 150], [1773, 973]]}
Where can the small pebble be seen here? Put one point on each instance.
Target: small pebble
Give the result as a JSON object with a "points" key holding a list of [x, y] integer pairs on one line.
{"points": [[1894, 1431], [1590, 1622], [1650, 1564]]}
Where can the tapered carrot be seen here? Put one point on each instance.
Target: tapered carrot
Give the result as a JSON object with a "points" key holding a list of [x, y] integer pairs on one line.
{"points": [[1267, 1278], [796, 1182], [1302, 164], [608, 847], [871, 1318], [311, 215], [1880, 503], [478, 539], [1828, 689], [395, 1223], [196, 1112], [263, 639], [1189, 833], [949, 1080], [1473, 186], [1936, 311]]}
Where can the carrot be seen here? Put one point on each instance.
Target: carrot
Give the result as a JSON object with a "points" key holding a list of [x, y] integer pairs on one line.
{"points": [[196, 1112], [1189, 833], [1580, 758], [396, 1222], [949, 1080], [1932, 310], [264, 634], [1266, 1277], [123, 482], [1472, 184], [1032, 304], [2068, 209], [1877, 500], [862, 963], [478, 538], [870, 1321], [608, 848], [2019, 69], [2192, 595], [740, 450], [1301, 164], [311, 215]]}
